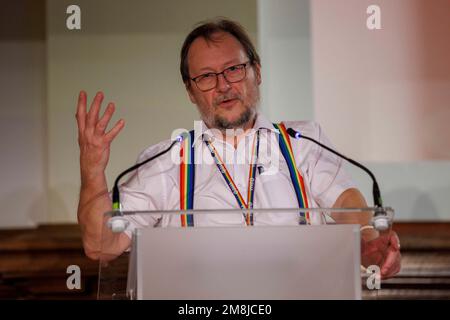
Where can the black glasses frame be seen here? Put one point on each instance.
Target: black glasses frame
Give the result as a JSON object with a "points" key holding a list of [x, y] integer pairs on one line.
{"points": [[216, 74]]}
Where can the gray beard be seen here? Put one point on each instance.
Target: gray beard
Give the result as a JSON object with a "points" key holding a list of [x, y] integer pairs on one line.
{"points": [[223, 124]]}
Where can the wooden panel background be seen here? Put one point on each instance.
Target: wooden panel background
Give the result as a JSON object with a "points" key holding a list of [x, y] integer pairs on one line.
{"points": [[33, 264]]}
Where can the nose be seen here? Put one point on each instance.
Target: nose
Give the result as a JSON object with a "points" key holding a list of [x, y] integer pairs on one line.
{"points": [[222, 84]]}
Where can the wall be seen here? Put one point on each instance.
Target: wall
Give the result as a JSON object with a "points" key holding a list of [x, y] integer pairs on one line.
{"points": [[23, 157], [371, 91], [285, 49], [392, 85], [383, 96], [130, 50]]}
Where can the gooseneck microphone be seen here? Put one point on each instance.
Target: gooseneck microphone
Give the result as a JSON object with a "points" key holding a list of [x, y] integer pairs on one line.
{"points": [[116, 194], [375, 190]]}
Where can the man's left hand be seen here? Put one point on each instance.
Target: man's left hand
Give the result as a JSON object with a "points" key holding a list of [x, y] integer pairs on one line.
{"points": [[383, 251]]}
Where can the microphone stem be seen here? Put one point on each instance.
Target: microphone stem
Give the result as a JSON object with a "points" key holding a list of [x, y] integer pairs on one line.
{"points": [[116, 194], [376, 190]]}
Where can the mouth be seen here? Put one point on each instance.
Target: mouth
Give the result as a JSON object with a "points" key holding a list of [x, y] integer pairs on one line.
{"points": [[227, 104]]}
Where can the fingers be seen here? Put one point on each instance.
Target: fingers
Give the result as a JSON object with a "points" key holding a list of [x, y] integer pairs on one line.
{"points": [[395, 241], [380, 245], [380, 252], [392, 263], [92, 116], [104, 120], [81, 111], [90, 122], [111, 134]]}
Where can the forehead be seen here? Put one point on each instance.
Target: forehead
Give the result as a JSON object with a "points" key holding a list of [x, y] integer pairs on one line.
{"points": [[213, 55]]}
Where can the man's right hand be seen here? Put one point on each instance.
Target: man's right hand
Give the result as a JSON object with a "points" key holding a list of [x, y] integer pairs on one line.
{"points": [[94, 142], [95, 146]]}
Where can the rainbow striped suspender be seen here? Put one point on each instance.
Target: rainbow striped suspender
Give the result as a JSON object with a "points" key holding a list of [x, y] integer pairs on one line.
{"points": [[296, 177], [187, 176], [187, 179]]}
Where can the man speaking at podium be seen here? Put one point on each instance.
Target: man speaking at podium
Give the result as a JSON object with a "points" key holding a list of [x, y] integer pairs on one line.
{"points": [[221, 71]]}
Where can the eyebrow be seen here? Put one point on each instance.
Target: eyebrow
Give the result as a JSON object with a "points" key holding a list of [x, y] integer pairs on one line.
{"points": [[229, 63]]}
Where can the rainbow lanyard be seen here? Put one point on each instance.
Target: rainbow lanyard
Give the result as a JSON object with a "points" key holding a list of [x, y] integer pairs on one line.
{"points": [[229, 180], [296, 177], [187, 179]]}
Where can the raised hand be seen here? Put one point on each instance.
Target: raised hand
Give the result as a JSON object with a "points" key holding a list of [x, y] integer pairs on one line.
{"points": [[94, 142]]}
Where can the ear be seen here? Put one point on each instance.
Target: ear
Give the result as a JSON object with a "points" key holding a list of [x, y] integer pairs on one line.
{"points": [[257, 69], [190, 93]]}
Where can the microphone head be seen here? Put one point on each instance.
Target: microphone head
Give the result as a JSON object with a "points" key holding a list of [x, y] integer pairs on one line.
{"points": [[207, 138], [294, 134], [182, 136]]}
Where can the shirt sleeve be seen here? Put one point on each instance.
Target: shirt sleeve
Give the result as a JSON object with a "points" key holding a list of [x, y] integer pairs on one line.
{"points": [[328, 179], [146, 190]]}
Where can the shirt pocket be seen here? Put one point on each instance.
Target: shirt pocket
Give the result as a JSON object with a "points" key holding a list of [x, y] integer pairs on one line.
{"points": [[277, 191]]}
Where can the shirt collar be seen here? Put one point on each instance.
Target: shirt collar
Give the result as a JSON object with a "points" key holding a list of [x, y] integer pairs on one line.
{"points": [[261, 122]]}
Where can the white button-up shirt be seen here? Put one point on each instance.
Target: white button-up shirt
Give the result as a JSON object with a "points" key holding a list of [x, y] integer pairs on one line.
{"points": [[156, 185]]}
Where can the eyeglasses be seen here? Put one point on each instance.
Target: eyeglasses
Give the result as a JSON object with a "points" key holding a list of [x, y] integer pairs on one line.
{"points": [[208, 81]]}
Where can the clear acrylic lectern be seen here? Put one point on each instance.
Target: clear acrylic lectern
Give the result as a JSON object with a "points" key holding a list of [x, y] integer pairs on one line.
{"points": [[312, 253]]}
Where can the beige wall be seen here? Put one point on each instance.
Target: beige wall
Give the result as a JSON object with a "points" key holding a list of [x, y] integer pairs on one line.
{"points": [[383, 97], [130, 50], [22, 114], [285, 49], [391, 86]]}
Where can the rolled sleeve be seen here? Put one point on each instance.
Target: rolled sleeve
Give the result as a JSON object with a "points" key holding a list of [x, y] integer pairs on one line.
{"points": [[329, 178], [146, 190]]}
